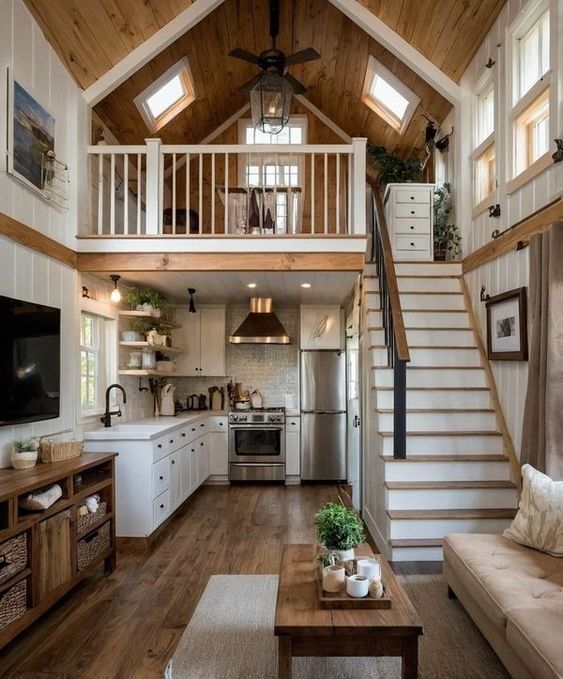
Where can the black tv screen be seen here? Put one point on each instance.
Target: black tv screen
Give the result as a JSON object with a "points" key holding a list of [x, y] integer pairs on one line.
{"points": [[30, 361]]}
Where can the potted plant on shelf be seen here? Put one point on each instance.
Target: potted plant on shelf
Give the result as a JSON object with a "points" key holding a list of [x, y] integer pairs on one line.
{"points": [[446, 235], [150, 301], [24, 454], [137, 329], [393, 169], [339, 530]]}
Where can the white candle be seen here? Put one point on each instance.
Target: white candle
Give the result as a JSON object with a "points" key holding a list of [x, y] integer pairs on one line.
{"points": [[369, 567], [357, 586]]}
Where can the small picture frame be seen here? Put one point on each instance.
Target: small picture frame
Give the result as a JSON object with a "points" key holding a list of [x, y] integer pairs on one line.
{"points": [[507, 326]]}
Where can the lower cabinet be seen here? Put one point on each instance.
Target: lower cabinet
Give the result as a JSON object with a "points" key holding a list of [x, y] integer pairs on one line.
{"points": [[292, 453], [218, 444], [54, 565], [176, 481]]}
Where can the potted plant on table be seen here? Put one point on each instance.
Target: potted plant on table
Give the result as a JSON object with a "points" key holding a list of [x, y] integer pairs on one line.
{"points": [[339, 530], [446, 235]]}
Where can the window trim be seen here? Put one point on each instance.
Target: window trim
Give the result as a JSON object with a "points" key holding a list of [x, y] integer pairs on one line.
{"points": [[481, 204], [301, 121], [374, 68], [517, 31], [485, 85], [97, 351], [183, 71]]}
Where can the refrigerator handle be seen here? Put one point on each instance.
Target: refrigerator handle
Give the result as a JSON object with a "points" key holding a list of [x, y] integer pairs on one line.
{"points": [[323, 412]]}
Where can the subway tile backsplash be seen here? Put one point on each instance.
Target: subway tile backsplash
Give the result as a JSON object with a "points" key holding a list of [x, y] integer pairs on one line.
{"points": [[272, 369]]}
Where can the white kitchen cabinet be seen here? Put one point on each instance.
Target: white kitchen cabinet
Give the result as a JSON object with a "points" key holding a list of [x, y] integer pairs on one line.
{"points": [[292, 453], [321, 326], [202, 459], [202, 336], [175, 467], [218, 453]]}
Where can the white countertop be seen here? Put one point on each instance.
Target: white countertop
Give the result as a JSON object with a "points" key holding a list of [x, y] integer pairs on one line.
{"points": [[149, 427]]}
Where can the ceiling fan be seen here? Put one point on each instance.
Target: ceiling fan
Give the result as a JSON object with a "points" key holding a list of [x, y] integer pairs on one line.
{"points": [[271, 90]]}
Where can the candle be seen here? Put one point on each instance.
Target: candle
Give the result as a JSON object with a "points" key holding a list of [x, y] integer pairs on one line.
{"points": [[334, 578]]}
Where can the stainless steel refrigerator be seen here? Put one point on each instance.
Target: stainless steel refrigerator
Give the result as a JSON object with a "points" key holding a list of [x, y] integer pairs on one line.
{"points": [[323, 415]]}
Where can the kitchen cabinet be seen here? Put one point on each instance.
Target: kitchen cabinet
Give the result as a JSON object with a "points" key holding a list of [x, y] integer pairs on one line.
{"points": [[53, 553], [202, 335], [292, 447], [175, 467], [218, 445], [321, 326]]}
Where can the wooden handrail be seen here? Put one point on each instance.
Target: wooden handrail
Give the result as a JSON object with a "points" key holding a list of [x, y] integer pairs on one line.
{"points": [[401, 345], [536, 223]]}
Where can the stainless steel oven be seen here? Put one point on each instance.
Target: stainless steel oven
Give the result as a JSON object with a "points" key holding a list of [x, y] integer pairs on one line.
{"points": [[257, 445]]}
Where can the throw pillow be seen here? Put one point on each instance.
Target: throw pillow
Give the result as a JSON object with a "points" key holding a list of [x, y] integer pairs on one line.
{"points": [[539, 521]]}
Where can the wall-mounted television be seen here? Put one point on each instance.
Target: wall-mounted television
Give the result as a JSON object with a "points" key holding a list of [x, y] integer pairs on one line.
{"points": [[30, 362]]}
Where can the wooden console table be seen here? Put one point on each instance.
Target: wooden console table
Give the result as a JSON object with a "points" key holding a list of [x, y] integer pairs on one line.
{"points": [[304, 628], [44, 554]]}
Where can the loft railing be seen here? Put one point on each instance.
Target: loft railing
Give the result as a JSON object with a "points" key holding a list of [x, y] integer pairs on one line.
{"points": [[160, 190], [393, 323]]}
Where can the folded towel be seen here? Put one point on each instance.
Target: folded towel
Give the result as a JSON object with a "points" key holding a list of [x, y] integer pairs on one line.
{"points": [[43, 499]]}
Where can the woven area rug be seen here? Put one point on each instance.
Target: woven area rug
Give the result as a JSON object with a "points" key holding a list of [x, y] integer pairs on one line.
{"points": [[230, 636]]}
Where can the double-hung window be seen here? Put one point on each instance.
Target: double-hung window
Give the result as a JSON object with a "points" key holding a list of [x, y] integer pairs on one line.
{"points": [[531, 77], [94, 368], [484, 153]]}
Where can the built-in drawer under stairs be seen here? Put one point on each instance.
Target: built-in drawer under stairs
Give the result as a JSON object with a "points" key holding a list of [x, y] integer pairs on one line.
{"points": [[456, 476]]}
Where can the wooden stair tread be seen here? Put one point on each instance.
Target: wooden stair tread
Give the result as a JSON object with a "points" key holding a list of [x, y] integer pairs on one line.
{"points": [[406, 275], [442, 346], [437, 410], [471, 432], [436, 514], [446, 485], [430, 292], [436, 388], [461, 457], [437, 327], [416, 542], [435, 367], [429, 311]]}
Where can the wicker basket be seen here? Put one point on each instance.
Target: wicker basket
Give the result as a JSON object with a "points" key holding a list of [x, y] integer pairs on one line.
{"points": [[90, 547], [13, 556], [57, 452], [13, 604], [84, 522]]}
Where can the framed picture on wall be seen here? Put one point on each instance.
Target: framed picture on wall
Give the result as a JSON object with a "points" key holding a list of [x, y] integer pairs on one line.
{"points": [[507, 326], [31, 136]]}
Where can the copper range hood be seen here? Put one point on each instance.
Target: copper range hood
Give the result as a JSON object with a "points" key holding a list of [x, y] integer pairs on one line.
{"points": [[261, 326]]}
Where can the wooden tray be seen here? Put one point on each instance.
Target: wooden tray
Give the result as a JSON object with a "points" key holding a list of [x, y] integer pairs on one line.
{"points": [[343, 600]]}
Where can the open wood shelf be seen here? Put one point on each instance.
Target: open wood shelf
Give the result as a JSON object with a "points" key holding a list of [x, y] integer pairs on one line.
{"points": [[152, 347], [146, 373], [147, 314]]}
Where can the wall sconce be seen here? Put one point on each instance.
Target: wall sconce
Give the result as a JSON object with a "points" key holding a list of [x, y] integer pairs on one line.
{"points": [[191, 305], [115, 294], [558, 155], [431, 130], [443, 144], [484, 297], [85, 292], [490, 63], [494, 210]]}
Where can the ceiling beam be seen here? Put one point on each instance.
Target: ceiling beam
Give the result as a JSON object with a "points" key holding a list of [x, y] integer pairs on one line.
{"points": [[324, 118], [402, 49], [142, 54]]}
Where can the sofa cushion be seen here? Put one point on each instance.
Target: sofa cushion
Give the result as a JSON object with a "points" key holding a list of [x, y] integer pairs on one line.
{"points": [[501, 575], [536, 635], [539, 521]]}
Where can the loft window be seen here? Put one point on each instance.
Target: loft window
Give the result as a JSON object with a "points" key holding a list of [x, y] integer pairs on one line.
{"points": [[532, 132], [485, 174], [387, 96], [532, 49], [485, 113], [167, 96]]}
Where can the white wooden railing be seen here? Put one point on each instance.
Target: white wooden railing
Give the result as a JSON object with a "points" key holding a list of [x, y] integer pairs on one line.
{"points": [[159, 189]]}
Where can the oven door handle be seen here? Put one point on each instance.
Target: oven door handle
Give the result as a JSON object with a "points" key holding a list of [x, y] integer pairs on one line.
{"points": [[260, 427]]}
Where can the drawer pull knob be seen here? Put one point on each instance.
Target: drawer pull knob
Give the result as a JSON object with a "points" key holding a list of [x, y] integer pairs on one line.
{"points": [[4, 561], [159, 445], [161, 478], [173, 461], [412, 227], [412, 244], [412, 212], [201, 443], [162, 506], [220, 424], [202, 424], [171, 441], [183, 436], [193, 428]]}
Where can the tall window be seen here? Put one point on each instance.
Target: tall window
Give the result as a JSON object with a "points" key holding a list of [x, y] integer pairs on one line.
{"points": [[533, 54], [532, 132], [281, 172], [485, 174], [485, 113], [89, 361], [484, 155]]}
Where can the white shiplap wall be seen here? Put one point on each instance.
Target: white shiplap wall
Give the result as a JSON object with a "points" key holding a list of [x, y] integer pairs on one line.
{"points": [[31, 276], [512, 269], [24, 50]]}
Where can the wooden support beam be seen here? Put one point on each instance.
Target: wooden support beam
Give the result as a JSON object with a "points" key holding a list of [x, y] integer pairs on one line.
{"points": [[186, 261], [148, 49], [538, 222], [402, 49], [30, 238]]}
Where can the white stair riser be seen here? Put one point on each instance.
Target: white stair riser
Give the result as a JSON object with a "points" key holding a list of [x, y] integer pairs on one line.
{"points": [[429, 285], [437, 528], [440, 338], [379, 356], [446, 471], [436, 319], [374, 319], [434, 302], [376, 337], [370, 285], [370, 269], [436, 421], [426, 269], [462, 498], [416, 554], [446, 445], [383, 377], [444, 356], [371, 300], [437, 399]]}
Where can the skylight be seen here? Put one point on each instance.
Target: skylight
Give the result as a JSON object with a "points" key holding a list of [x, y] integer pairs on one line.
{"points": [[167, 96], [387, 96]]}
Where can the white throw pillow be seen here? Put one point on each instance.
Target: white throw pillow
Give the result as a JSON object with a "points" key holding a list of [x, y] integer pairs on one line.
{"points": [[539, 521]]}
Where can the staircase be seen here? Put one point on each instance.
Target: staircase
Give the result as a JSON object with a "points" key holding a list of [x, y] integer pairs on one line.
{"points": [[456, 475]]}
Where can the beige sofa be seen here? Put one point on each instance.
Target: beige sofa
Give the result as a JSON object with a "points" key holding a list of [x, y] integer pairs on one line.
{"points": [[515, 596]]}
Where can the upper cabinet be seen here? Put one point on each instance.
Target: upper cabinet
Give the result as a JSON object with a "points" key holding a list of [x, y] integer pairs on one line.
{"points": [[321, 326], [203, 337]]}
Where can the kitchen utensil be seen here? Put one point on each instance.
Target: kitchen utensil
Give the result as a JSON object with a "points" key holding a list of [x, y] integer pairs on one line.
{"points": [[216, 399], [167, 400], [257, 399], [192, 402], [242, 405], [202, 404], [148, 360]]}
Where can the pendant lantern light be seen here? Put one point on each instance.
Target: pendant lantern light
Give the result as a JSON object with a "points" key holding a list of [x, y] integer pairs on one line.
{"points": [[191, 305], [270, 102], [115, 294]]}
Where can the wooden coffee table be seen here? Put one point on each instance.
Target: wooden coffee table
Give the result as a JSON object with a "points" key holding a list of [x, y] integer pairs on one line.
{"points": [[304, 628]]}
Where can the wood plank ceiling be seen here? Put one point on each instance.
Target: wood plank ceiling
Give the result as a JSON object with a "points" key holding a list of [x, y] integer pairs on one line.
{"points": [[92, 36]]}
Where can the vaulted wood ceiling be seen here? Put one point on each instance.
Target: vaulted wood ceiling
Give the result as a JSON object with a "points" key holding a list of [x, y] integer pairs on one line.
{"points": [[93, 36]]}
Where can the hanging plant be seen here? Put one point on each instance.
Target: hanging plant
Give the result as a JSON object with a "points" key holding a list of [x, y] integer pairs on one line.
{"points": [[446, 235], [391, 168]]}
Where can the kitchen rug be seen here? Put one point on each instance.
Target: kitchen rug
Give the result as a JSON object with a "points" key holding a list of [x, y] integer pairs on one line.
{"points": [[231, 636]]}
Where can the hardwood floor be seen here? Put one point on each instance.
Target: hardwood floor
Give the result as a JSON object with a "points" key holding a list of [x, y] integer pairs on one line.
{"points": [[128, 624]]}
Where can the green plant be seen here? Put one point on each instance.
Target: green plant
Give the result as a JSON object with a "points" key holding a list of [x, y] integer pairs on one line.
{"points": [[339, 527], [446, 235], [140, 325], [27, 446], [393, 169], [138, 296]]}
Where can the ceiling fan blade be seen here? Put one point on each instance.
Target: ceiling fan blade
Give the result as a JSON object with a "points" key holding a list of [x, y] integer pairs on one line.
{"points": [[296, 86], [244, 55], [250, 83], [302, 56]]}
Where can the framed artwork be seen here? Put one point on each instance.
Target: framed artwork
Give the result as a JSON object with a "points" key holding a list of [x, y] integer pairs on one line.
{"points": [[507, 326], [31, 136]]}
